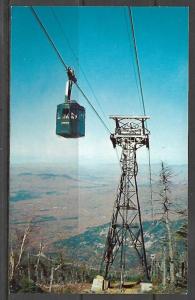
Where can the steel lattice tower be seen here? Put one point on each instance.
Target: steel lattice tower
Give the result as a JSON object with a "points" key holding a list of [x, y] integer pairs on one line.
{"points": [[126, 224]]}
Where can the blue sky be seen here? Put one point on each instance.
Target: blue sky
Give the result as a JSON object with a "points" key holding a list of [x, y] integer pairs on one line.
{"points": [[99, 37]]}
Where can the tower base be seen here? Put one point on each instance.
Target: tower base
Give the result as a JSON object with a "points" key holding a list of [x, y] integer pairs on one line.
{"points": [[99, 284]]}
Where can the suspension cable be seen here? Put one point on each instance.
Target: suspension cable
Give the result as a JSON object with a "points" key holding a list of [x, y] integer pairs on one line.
{"points": [[65, 66], [77, 60], [143, 104], [87, 99], [48, 37], [150, 182], [137, 60], [133, 62]]}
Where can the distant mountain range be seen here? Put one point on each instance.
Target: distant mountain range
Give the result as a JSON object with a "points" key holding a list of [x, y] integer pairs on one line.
{"points": [[63, 202], [88, 247]]}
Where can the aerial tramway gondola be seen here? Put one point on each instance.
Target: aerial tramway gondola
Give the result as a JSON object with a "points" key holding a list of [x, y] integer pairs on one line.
{"points": [[70, 116]]}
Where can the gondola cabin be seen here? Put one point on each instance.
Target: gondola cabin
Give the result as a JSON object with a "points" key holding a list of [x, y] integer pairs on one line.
{"points": [[70, 120]]}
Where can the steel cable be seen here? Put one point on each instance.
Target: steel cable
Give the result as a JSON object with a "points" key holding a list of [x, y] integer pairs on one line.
{"points": [[77, 60], [143, 104], [133, 63], [65, 66], [137, 60]]}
